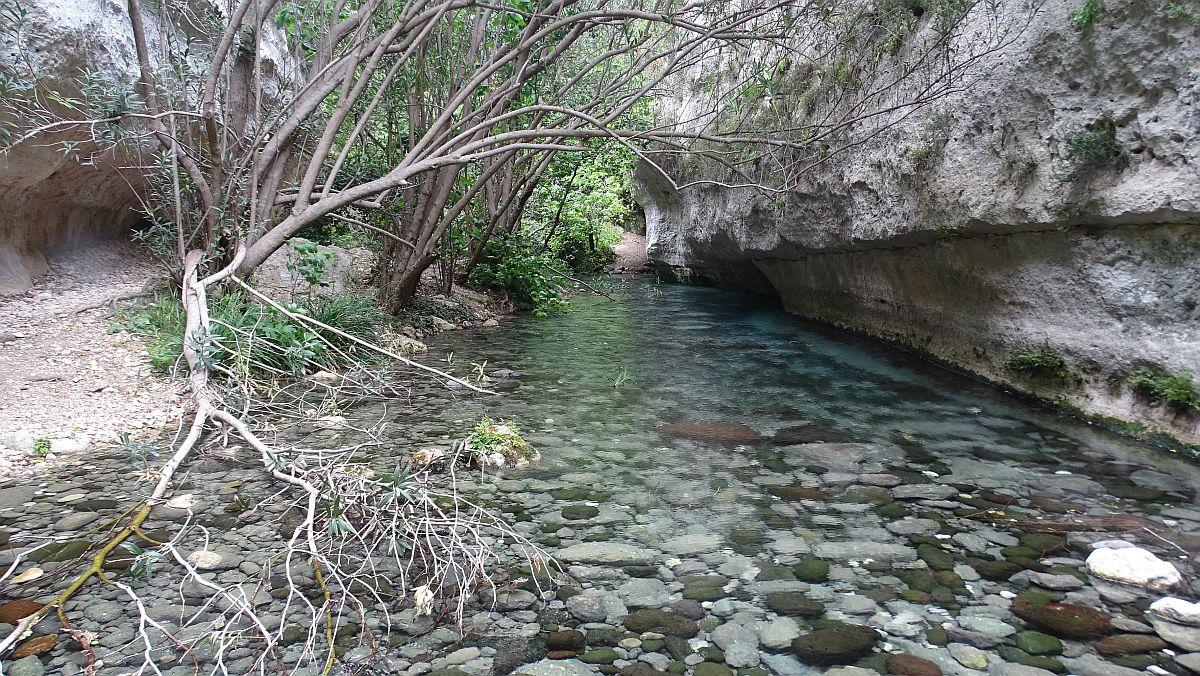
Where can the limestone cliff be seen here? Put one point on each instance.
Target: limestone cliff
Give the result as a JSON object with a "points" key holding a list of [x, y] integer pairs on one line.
{"points": [[976, 228], [49, 199]]}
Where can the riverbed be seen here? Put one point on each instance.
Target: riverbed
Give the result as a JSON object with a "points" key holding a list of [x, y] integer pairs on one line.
{"points": [[728, 489]]}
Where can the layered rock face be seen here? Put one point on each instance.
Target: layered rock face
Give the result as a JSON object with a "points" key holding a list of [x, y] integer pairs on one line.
{"points": [[973, 229], [51, 199]]}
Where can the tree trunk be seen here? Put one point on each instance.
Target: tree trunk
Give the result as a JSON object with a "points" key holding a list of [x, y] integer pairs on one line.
{"points": [[402, 283]]}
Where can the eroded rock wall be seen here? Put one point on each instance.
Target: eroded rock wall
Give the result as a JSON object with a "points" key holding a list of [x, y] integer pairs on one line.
{"points": [[50, 199], [967, 230]]}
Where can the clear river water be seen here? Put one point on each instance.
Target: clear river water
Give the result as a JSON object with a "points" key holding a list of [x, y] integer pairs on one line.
{"points": [[733, 490]]}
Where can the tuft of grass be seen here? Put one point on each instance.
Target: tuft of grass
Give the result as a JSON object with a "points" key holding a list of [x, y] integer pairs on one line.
{"points": [[1159, 388], [1095, 148], [1043, 362]]}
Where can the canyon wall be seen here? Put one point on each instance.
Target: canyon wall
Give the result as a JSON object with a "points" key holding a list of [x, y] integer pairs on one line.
{"points": [[53, 197], [973, 231]]}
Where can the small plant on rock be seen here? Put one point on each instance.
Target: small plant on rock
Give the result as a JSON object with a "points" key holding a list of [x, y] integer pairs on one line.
{"points": [[1086, 15], [1043, 362], [498, 443], [41, 447], [1160, 388], [1095, 148]]}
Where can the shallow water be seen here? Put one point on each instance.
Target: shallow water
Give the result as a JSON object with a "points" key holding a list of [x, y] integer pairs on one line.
{"points": [[726, 447]]}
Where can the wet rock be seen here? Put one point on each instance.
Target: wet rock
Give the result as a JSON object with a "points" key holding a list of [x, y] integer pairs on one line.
{"points": [[35, 646], [594, 605], [704, 587], [711, 669], [600, 656], [556, 668], [795, 603], [797, 493], [1066, 620], [924, 492], [741, 655], [911, 665], [968, 656], [1176, 621], [1010, 669], [808, 434], [842, 644], [567, 639], [643, 592], [688, 608], [997, 570], [27, 666], [972, 638], [692, 544], [1189, 661], [811, 570], [1128, 644], [859, 550], [714, 432], [1090, 665], [662, 622], [912, 526], [1134, 566], [1037, 643], [987, 625], [730, 633], [606, 553], [579, 512], [936, 557], [515, 599], [778, 634], [15, 611], [1056, 582]]}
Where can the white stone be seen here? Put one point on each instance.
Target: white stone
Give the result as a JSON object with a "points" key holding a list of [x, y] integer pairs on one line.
{"points": [[1177, 621], [1133, 565], [778, 634], [556, 668]]}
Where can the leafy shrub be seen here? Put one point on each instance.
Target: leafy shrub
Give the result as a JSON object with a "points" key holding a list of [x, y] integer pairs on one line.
{"points": [[248, 339], [1086, 15], [1159, 388], [510, 265], [1095, 148], [1038, 362]]}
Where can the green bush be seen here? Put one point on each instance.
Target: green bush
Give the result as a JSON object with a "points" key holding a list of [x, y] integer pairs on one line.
{"points": [[1095, 148], [1041, 362], [1161, 388], [510, 265]]}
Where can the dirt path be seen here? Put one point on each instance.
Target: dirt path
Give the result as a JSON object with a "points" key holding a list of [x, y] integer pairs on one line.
{"points": [[63, 376], [631, 254]]}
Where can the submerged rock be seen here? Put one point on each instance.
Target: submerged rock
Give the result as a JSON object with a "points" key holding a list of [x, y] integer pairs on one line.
{"points": [[606, 553], [843, 644], [1066, 620], [1177, 621], [661, 622], [716, 432], [1135, 566]]}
